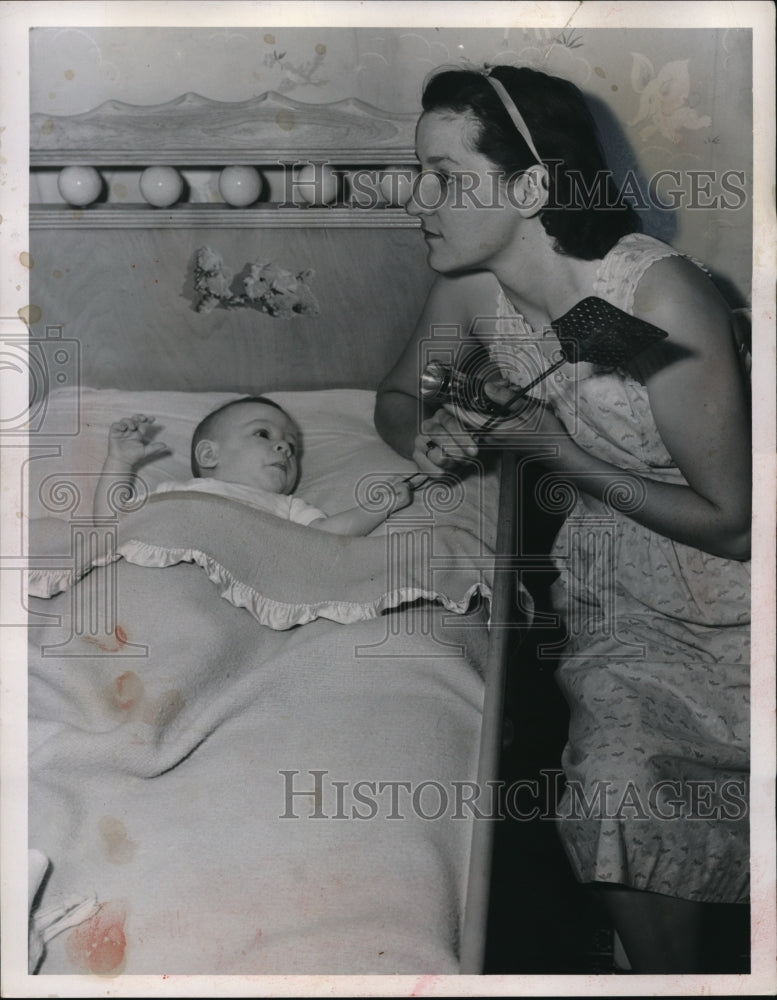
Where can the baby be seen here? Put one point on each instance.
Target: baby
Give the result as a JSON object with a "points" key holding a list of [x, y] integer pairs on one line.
{"points": [[246, 450]]}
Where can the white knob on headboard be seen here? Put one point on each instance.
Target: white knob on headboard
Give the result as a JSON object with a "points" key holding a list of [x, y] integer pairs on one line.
{"points": [[240, 186], [161, 186], [79, 185], [316, 184]]}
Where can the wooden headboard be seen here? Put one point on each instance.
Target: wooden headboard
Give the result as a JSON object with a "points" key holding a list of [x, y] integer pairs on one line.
{"points": [[116, 272]]}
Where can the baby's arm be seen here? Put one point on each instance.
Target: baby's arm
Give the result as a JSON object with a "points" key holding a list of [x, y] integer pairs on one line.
{"points": [[128, 447], [358, 521]]}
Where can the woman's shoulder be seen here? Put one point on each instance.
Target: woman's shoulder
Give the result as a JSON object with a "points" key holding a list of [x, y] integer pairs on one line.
{"points": [[638, 260], [675, 282], [679, 297]]}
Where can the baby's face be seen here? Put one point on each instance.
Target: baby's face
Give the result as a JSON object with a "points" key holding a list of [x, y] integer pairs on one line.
{"points": [[257, 446]]}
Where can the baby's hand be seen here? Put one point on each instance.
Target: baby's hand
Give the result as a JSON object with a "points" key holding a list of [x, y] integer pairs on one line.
{"points": [[403, 495], [128, 441]]}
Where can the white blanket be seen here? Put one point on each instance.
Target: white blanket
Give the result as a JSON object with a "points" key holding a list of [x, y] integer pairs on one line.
{"points": [[283, 573], [244, 800]]}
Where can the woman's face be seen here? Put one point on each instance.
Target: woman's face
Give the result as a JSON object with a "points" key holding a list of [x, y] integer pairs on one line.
{"points": [[467, 218]]}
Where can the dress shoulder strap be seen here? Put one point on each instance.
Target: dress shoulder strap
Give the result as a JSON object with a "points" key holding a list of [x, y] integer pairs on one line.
{"points": [[621, 270]]}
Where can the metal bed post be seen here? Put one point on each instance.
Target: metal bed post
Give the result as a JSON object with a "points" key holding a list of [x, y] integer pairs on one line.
{"points": [[473, 940]]}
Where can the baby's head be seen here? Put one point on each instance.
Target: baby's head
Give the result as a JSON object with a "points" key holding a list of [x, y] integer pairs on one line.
{"points": [[252, 441]]}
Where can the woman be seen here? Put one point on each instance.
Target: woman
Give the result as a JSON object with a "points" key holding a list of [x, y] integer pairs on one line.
{"points": [[522, 221]]}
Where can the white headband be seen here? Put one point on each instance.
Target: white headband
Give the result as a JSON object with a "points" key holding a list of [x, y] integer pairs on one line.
{"points": [[515, 115]]}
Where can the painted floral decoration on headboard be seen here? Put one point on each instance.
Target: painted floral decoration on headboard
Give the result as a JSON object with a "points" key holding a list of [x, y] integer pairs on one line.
{"points": [[266, 286]]}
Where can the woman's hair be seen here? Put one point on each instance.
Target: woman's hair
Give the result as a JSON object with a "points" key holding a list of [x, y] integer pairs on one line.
{"points": [[206, 428], [584, 214]]}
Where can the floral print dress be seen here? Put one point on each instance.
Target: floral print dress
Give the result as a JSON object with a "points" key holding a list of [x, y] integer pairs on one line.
{"points": [[656, 665]]}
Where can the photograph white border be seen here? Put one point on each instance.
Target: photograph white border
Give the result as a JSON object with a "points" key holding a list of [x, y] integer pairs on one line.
{"points": [[15, 20]]}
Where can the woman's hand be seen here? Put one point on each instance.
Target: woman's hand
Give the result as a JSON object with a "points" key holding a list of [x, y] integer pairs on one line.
{"points": [[449, 436], [529, 421], [443, 442], [453, 435]]}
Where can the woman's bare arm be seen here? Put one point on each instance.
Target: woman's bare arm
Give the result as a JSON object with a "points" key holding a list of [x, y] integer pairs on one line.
{"points": [[700, 407], [444, 326]]}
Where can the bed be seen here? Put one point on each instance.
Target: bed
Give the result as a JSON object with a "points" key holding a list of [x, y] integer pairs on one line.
{"points": [[253, 748]]}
